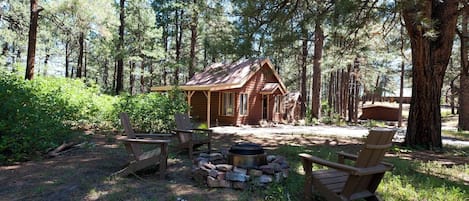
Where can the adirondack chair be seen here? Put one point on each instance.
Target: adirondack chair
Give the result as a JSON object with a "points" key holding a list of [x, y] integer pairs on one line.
{"points": [[345, 182], [190, 137], [142, 159]]}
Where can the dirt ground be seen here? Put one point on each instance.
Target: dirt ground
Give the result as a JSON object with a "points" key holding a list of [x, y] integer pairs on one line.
{"points": [[83, 173]]}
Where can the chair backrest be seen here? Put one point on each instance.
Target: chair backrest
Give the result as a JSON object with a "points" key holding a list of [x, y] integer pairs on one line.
{"points": [[183, 121], [379, 140], [133, 148]]}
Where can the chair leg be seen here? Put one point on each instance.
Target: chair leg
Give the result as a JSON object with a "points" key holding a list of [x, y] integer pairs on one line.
{"points": [[191, 150]]}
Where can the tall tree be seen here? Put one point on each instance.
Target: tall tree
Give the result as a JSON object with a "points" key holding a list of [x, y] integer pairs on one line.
{"points": [[120, 49], [193, 27], [35, 9], [431, 26], [463, 123]]}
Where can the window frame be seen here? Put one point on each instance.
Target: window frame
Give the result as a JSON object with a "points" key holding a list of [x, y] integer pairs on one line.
{"points": [[243, 104], [230, 106]]}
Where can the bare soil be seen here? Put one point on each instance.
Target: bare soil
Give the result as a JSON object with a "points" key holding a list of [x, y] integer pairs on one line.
{"points": [[83, 173]]}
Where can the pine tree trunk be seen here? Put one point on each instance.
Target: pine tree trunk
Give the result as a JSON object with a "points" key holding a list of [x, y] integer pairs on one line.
{"points": [[142, 77], [67, 55], [316, 90], [194, 25], [464, 78], [120, 49], [32, 39], [80, 55], [179, 32], [430, 57], [131, 77], [106, 73], [304, 56]]}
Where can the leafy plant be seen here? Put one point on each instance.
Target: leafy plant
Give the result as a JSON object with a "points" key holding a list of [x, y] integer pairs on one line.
{"points": [[153, 112]]}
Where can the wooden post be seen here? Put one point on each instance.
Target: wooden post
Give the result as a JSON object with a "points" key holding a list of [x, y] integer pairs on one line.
{"points": [[189, 100], [208, 94]]}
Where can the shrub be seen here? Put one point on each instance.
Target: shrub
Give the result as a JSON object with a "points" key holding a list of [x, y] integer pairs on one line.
{"points": [[37, 115], [153, 112]]}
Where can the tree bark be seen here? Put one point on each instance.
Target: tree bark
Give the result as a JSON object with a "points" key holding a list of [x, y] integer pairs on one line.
{"points": [[316, 90], [67, 63], [464, 78], [80, 55], [120, 51], [131, 77], [193, 28], [430, 57], [32, 39], [304, 57], [179, 32], [142, 76]]}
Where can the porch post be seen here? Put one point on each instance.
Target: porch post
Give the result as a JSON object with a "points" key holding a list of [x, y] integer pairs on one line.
{"points": [[189, 100], [208, 95]]}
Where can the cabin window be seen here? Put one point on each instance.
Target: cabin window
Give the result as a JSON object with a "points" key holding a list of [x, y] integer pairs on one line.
{"points": [[277, 104], [243, 104], [228, 104]]}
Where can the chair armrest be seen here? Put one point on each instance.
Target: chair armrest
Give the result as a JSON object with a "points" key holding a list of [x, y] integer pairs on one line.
{"points": [[343, 155], [182, 131], [381, 168], [143, 141], [202, 129], [313, 159], [153, 135]]}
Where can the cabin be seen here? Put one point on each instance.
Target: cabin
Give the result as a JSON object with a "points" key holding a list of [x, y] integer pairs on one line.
{"points": [[238, 93]]}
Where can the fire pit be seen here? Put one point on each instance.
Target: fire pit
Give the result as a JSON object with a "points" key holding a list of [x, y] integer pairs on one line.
{"points": [[240, 166], [247, 155]]}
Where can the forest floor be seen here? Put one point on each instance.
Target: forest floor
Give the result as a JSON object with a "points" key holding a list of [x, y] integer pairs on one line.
{"points": [[83, 173]]}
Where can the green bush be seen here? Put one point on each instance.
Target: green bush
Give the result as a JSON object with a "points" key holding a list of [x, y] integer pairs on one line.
{"points": [[38, 115], [153, 112]]}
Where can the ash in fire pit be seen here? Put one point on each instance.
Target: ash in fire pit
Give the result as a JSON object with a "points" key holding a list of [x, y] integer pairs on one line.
{"points": [[247, 155], [241, 165]]}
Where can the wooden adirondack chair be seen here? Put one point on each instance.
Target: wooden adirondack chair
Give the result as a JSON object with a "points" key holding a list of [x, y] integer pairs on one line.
{"points": [[344, 182], [190, 137], [142, 159]]}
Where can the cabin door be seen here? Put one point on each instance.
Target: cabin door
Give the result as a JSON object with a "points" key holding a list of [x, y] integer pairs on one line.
{"points": [[264, 106]]}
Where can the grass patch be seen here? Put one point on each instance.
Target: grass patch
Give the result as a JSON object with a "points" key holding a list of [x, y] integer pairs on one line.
{"points": [[460, 135]]}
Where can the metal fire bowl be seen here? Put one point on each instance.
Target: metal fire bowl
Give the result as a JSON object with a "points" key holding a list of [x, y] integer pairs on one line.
{"points": [[247, 161]]}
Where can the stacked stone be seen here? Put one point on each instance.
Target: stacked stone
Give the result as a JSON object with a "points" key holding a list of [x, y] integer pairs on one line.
{"points": [[215, 172]]}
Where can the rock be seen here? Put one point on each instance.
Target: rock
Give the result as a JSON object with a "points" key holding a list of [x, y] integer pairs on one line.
{"points": [[199, 175], [225, 183], [278, 177], [213, 173], [221, 175], [240, 170], [233, 176], [212, 182], [268, 169], [265, 179], [255, 172], [211, 156], [271, 158], [224, 167], [277, 167], [285, 173], [279, 160], [239, 185], [210, 166]]}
